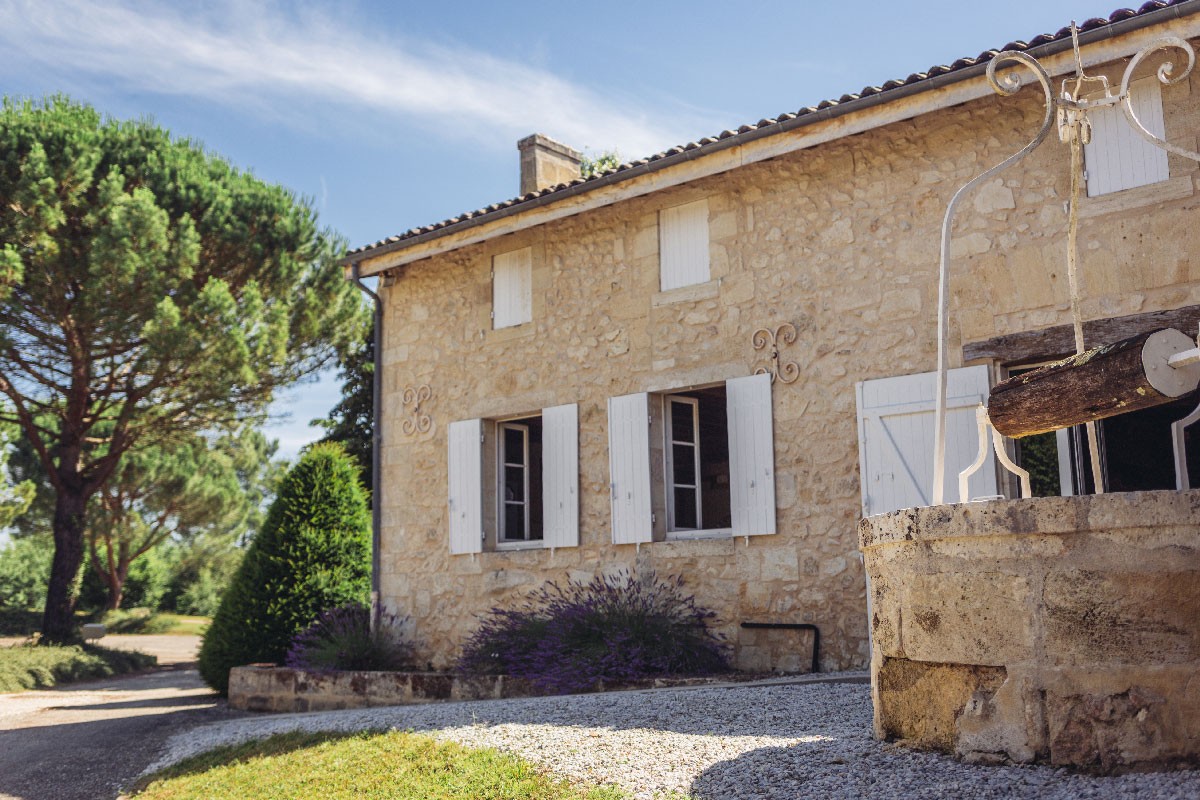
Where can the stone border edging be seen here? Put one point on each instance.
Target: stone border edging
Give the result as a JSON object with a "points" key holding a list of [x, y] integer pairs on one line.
{"points": [[265, 687]]}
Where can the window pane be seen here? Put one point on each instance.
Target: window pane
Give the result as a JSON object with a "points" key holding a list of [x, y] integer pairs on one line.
{"points": [[1039, 455], [514, 483], [514, 446], [514, 521], [681, 422], [684, 464], [685, 508]]}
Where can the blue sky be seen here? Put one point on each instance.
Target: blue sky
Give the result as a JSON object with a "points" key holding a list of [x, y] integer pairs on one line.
{"points": [[393, 115]]}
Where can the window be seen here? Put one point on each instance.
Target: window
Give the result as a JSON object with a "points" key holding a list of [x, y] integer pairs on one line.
{"points": [[512, 288], [1136, 453], [514, 481], [714, 466], [520, 477], [697, 461], [683, 245], [1117, 157]]}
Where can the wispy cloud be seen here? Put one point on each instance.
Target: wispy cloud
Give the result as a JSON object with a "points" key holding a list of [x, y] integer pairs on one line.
{"points": [[270, 57]]}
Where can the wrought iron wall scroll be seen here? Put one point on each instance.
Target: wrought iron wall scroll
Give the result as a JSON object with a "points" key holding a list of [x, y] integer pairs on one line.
{"points": [[763, 338], [412, 399]]}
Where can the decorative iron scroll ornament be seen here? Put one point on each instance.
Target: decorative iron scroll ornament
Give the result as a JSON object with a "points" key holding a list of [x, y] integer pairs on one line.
{"points": [[1071, 109], [786, 371], [418, 421]]}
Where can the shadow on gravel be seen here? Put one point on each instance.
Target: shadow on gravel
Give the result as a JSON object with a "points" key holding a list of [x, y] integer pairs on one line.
{"points": [[861, 767], [158, 702], [90, 750]]}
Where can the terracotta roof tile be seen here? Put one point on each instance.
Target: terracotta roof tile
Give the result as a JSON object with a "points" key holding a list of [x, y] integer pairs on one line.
{"points": [[708, 141]]}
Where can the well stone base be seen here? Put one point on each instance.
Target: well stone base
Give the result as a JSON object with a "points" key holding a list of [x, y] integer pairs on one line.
{"points": [[1062, 630]]}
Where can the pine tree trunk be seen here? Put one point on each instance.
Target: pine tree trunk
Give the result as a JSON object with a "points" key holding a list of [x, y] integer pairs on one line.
{"points": [[58, 620], [116, 589]]}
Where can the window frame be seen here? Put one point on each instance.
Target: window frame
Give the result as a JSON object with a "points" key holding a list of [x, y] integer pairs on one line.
{"points": [[503, 465], [669, 482], [671, 531]]}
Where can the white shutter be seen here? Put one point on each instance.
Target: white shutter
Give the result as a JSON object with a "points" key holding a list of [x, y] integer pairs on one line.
{"points": [[1117, 157], [683, 245], [512, 288], [560, 476], [465, 460], [751, 455], [629, 468], [895, 438]]}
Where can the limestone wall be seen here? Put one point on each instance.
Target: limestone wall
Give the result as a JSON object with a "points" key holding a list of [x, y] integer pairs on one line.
{"points": [[840, 240], [1063, 630]]}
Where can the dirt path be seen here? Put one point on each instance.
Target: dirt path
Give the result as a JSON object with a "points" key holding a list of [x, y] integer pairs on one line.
{"points": [[89, 740]]}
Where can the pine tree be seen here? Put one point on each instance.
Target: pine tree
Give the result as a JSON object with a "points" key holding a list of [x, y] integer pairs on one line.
{"points": [[351, 422], [312, 554], [148, 291]]}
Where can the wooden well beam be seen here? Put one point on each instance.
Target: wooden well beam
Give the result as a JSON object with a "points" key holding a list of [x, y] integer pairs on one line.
{"points": [[1059, 341], [1112, 379]]}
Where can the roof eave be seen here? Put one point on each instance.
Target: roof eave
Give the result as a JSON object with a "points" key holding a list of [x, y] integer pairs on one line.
{"points": [[1110, 31]]}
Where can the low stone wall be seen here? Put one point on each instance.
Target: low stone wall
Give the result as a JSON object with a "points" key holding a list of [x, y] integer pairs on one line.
{"points": [[1061, 630], [266, 687], [270, 688]]}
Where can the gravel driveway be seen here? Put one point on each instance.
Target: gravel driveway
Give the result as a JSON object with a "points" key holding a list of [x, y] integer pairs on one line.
{"points": [[752, 741], [84, 741]]}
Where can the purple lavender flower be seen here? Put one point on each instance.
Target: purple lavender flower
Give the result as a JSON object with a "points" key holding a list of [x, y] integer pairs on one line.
{"points": [[613, 629], [342, 639]]}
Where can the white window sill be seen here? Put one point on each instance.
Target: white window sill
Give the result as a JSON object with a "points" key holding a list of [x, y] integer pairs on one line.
{"points": [[713, 533], [510, 332], [1137, 197], [534, 544], [687, 294]]}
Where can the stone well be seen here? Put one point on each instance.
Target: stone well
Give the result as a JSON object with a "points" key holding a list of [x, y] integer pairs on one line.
{"points": [[1060, 630]]}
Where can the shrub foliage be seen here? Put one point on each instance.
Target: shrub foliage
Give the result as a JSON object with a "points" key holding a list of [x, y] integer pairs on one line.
{"points": [[613, 629], [313, 553], [342, 639]]}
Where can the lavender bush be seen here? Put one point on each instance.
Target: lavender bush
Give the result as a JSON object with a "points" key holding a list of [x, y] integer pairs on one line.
{"points": [[341, 639], [614, 629]]}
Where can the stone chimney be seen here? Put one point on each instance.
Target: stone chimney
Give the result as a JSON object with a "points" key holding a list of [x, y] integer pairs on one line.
{"points": [[545, 163]]}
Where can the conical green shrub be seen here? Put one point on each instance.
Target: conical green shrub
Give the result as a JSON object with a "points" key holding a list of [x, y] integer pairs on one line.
{"points": [[312, 554]]}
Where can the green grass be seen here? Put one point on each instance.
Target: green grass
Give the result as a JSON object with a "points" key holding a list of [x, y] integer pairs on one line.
{"points": [[26, 622], [42, 666], [142, 620], [330, 766]]}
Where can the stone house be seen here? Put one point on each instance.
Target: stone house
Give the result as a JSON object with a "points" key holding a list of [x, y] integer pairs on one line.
{"points": [[713, 361]]}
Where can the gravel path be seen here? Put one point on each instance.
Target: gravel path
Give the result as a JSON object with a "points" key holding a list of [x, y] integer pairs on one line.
{"points": [[776, 741], [84, 741]]}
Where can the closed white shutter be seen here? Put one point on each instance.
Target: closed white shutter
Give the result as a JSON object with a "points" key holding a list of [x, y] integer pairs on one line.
{"points": [[895, 438], [751, 455], [1117, 157], [465, 459], [629, 468], [560, 476], [683, 245], [512, 288]]}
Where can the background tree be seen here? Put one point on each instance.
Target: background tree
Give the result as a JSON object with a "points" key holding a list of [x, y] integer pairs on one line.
{"points": [[177, 492], [590, 167], [148, 291], [312, 554], [15, 497], [350, 422]]}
